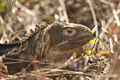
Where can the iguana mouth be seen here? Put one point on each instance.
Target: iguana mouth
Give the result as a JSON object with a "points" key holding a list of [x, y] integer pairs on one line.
{"points": [[74, 43], [81, 38]]}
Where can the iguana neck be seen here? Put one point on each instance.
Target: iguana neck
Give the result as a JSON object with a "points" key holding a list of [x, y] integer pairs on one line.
{"points": [[37, 43]]}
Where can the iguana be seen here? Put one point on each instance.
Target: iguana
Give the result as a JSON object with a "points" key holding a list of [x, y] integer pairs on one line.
{"points": [[51, 45]]}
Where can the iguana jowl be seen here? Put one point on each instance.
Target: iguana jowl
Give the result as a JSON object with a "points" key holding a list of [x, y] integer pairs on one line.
{"points": [[52, 44]]}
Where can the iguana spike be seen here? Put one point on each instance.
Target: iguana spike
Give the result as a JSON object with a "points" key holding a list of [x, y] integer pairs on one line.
{"points": [[37, 26], [21, 40], [28, 35], [24, 38], [32, 31], [36, 29]]}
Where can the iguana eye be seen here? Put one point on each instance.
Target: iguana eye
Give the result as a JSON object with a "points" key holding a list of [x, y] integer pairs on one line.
{"points": [[69, 32]]}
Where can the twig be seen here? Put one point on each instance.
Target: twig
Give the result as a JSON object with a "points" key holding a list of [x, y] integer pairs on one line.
{"points": [[54, 72], [70, 62], [115, 15], [68, 73], [93, 15], [64, 10], [106, 27]]}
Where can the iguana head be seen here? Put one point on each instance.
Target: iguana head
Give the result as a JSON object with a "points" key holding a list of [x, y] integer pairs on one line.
{"points": [[62, 40], [69, 36], [56, 42]]}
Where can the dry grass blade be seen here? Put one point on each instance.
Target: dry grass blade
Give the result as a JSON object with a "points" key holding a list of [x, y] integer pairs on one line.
{"points": [[64, 10], [93, 15], [56, 72], [112, 27]]}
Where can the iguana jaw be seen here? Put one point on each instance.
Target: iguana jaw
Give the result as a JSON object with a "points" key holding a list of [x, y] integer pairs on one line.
{"points": [[60, 53], [74, 43]]}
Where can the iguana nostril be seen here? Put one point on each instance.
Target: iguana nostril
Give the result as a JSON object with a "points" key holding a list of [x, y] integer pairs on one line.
{"points": [[84, 29]]}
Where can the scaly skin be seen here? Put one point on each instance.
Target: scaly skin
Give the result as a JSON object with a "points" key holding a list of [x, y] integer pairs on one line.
{"points": [[53, 45]]}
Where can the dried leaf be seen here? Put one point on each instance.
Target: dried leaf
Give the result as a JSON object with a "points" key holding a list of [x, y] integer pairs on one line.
{"points": [[11, 39], [103, 52], [111, 28]]}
